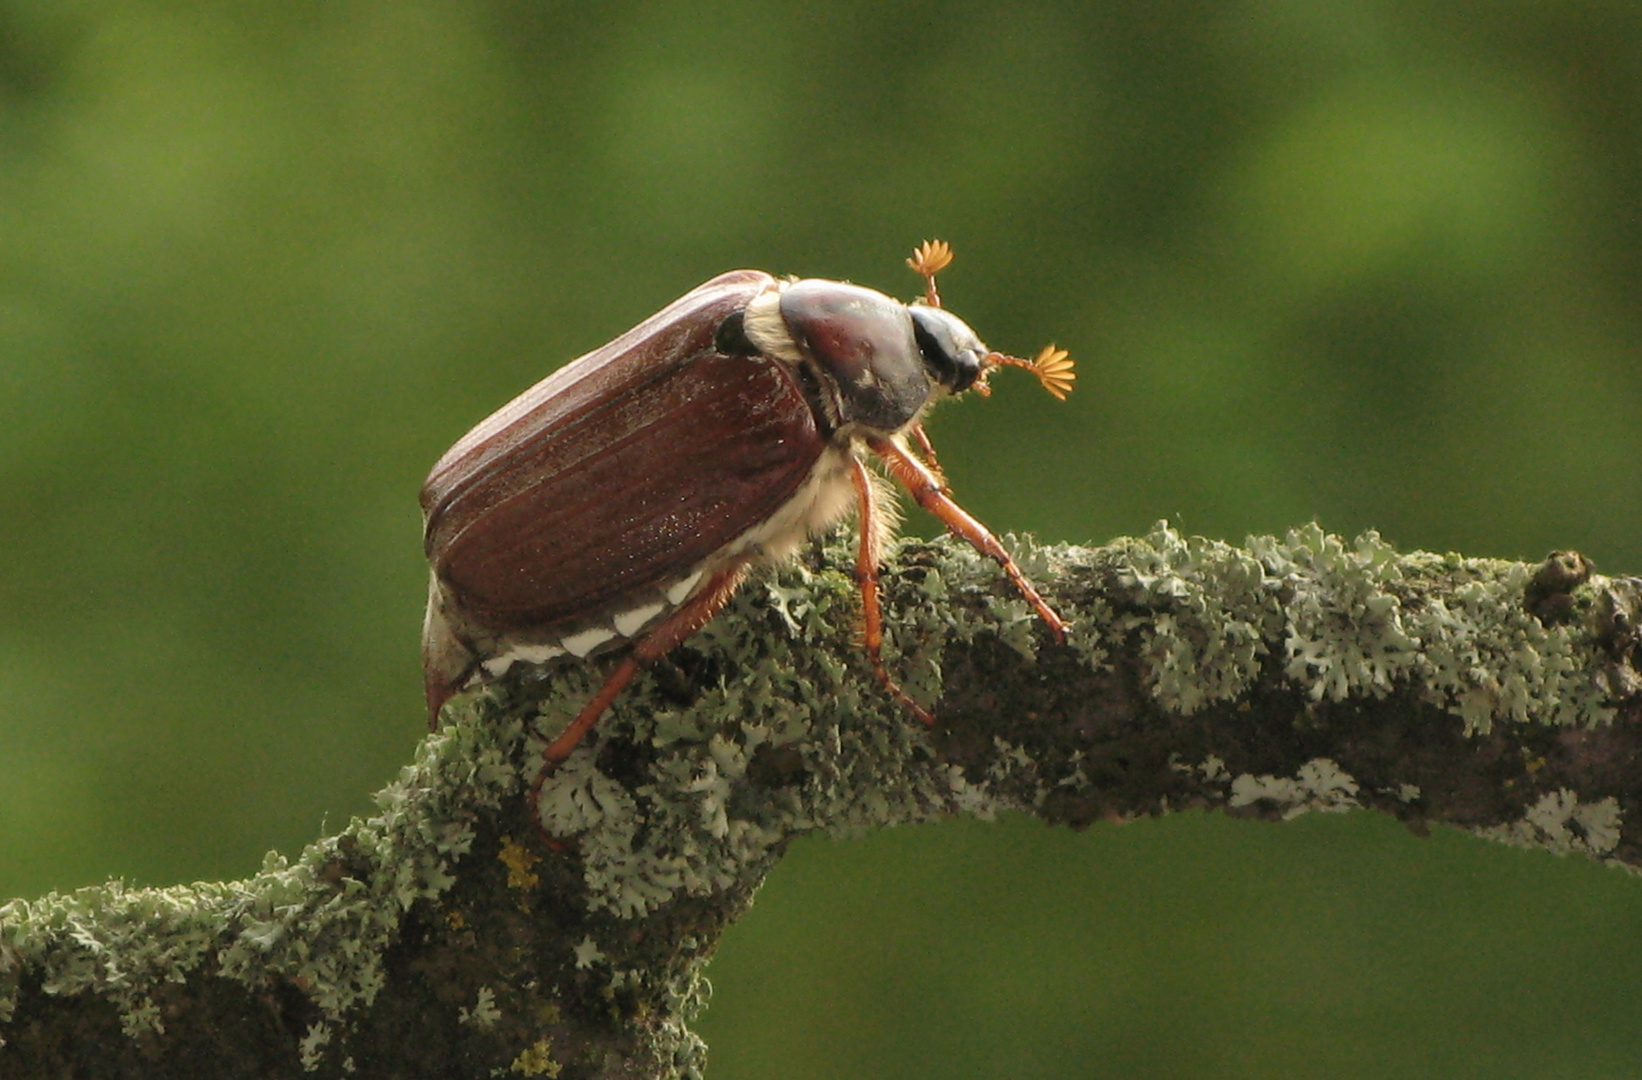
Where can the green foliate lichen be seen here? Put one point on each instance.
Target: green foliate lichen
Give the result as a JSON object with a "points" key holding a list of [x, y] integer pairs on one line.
{"points": [[1486, 659], [1351, 618], [691, 824], [484, 1013], [1210, 617], [588, 954], [321, 922], [1210, 774], [802, 738], [534, 1060], [312, 1046], [689, 1051], [1344, 632]]}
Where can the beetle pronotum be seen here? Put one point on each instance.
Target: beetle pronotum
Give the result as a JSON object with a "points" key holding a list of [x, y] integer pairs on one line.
{"points": [[624, 498]]}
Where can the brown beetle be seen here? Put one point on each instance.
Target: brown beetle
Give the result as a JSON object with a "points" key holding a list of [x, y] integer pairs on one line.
{"points": [[626, 496]]}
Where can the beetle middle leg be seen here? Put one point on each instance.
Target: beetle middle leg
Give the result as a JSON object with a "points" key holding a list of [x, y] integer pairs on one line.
{"points": [[926, 487], [927, 449], [866, 576]]}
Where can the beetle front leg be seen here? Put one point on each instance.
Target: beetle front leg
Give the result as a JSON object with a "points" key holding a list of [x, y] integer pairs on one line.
{"points": [[932, 495], [866, 576]]}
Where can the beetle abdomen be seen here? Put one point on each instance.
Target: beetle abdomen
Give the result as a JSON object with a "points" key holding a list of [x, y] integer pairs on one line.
{"points": [[589, 637]]}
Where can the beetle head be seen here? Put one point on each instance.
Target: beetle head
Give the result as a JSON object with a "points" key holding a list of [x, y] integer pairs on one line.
{"points": [[868, 360], [953, 353]]}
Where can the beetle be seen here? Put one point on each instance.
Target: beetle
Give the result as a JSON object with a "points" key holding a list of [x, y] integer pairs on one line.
{"points": [[623, 499]]}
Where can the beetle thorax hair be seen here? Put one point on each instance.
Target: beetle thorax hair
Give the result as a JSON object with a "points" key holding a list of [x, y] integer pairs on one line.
{"points": [[767, 330]]}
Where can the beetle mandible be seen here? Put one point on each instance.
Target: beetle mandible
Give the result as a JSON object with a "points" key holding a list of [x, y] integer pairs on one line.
{"points": [[623, 499]]}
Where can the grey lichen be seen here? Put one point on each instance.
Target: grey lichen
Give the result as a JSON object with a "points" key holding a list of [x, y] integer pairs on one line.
{"points": [[484, 1013], [1563, 824], [1320, 786]]}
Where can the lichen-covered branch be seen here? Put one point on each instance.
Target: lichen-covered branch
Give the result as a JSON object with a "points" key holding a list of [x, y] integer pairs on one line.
{"points": [[451, 936]]}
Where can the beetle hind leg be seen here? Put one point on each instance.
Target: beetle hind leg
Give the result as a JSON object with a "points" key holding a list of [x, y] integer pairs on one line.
{"points": [[866, 576], [684, 621]]}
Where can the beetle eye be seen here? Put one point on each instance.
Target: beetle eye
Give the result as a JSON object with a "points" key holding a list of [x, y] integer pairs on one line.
{"points": [[952, 352], [732, 339]]}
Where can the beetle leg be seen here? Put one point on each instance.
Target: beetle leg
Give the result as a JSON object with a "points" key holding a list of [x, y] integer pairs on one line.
{"points": [[671, 631], [926, 450], [689, 618], [866, 576], [932, 495]]}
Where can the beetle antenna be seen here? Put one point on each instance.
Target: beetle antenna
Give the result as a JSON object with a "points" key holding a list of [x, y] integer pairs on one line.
{"points": [[1052, 366], [929, 259]]}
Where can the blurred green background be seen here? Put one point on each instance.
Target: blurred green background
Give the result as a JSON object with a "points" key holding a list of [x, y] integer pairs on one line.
{"points": [[1373, 262]]}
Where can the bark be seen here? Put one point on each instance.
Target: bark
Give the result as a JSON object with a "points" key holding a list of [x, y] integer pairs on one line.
{"points": [[451, 936]]}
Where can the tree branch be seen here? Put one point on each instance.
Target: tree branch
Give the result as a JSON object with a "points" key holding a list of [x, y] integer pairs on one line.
{"points": [[448, 937]]}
